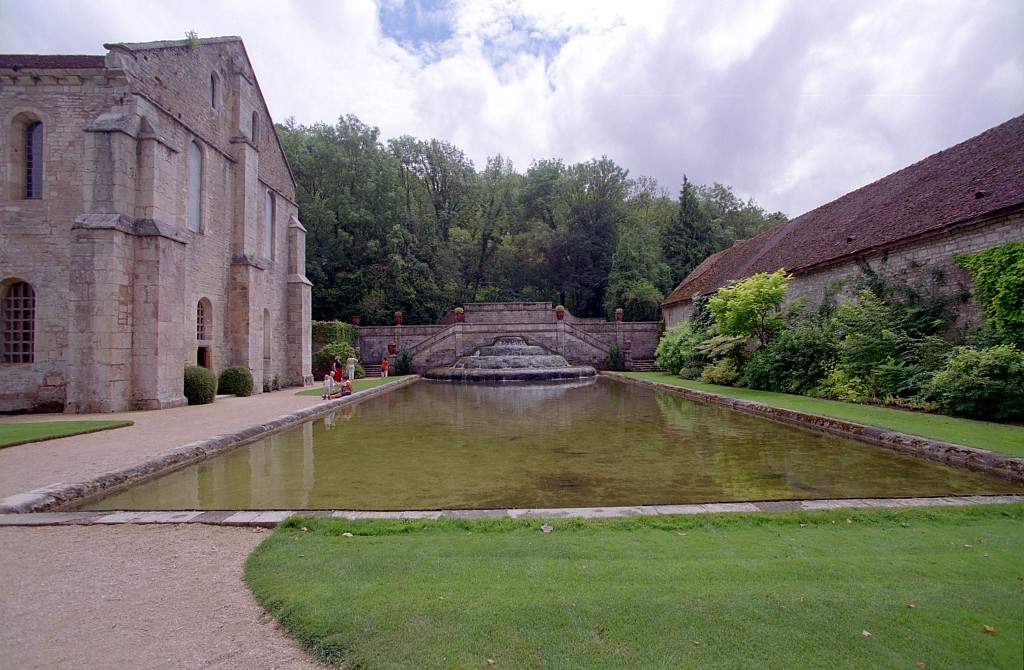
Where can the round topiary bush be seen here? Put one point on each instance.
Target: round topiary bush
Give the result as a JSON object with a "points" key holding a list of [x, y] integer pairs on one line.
{"points": [[200, 385], [235, 380]]}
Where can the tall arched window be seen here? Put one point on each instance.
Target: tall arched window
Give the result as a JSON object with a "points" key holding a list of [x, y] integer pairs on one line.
{"points": [[255, 130], [213, 90], [195, 187], [19, 323], [204, 317], [34, 160], [268, 225]]}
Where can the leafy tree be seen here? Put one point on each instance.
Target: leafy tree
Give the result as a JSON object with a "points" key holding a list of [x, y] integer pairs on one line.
{"points": [[636, 275], [751, 307]]}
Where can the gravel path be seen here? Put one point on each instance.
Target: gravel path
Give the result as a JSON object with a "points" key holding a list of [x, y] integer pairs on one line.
{"points": [[73, 459], [134, 597]]}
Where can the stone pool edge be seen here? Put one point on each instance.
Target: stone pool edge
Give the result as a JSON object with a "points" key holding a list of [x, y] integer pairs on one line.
{"points": [[270, 518], [956, 455], [56, 497]]}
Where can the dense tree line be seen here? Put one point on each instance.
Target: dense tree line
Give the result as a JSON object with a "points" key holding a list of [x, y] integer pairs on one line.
{"points": [[411, 225]]}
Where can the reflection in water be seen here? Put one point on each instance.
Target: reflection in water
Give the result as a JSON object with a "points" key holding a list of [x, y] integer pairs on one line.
{"points": [[599, 442]]}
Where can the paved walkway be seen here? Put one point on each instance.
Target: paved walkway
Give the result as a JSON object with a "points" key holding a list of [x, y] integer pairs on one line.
{"points": [[79, 457], [135, 597]]}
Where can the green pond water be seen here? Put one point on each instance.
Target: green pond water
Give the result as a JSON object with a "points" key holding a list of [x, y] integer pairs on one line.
{"points": [[599, 443]]}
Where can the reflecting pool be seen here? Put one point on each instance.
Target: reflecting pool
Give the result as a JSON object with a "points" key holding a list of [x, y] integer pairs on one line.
{"points": [[600, 442]]}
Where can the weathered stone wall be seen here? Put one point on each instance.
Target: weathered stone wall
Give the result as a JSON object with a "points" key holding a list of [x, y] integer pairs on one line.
{"points": [[117, 273], [928, 266], [581, 341]]}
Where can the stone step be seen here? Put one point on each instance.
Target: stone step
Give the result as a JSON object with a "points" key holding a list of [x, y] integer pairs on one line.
{"points": [[644, 366]]}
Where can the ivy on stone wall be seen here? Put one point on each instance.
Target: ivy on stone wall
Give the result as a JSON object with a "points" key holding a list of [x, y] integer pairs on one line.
{"points": [[333, 332], [998, 277]]}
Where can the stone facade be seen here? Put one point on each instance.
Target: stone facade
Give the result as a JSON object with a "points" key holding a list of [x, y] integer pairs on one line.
{"points": [[116, 265], [580, 341], [927, 265]]}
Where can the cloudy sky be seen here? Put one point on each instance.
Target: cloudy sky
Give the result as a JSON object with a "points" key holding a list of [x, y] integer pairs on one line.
{"points": [[791, 102]]}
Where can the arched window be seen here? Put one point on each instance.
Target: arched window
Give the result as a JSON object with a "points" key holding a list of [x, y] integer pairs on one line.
{"points": [[34, 160], [19, 323], [267, 334], [255, 128], [213, 90], [195, 187], [268, 225], [204, 321]]}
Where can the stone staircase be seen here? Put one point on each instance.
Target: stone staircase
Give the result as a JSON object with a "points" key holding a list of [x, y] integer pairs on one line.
{"points": [[645, 365], [372, 370]]}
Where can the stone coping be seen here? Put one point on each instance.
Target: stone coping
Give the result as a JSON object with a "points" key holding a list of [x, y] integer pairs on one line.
{"points": [[957, 455], [67, 495], [270, 518]]}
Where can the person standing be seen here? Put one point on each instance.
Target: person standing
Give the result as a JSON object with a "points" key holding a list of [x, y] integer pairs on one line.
{"points": [[384, 366]]}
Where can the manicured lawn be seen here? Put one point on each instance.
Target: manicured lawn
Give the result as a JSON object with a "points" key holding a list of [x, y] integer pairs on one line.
{"points": [[21, 433], [357, 385], [720, 591], [982, 434]]}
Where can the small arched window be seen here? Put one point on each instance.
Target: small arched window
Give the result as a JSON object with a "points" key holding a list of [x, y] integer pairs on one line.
{"points": [[195, 187], [268, 225], [19, 323], [267, 333], [204, 321], [34, 160], [255, 128], [213, 90]]}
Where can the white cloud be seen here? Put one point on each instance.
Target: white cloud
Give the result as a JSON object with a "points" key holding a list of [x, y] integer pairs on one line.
{"points": [[792, 103]]}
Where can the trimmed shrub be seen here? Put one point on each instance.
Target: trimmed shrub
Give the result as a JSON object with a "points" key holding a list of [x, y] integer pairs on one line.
{"points": [[334, 332], [676, 349], [795, 361], [981, 383], [323, 360], [616, 357], [200, 385], [723, 372], [403, 363], [235, 380]]}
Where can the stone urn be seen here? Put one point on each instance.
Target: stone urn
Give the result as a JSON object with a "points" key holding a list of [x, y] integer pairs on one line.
{"points": [[627, 345], [560, 312], [357, 320], [398, 318], [618, 314], [392, 348], [460, 315]]}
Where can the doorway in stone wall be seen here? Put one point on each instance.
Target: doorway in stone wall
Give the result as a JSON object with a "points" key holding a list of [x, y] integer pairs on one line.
{"points": [[204, 357]]}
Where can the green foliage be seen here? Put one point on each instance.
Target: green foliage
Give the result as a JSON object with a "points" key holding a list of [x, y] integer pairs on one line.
{"points": [[235, 380], [332, 332], [637, 272], [403, 363], [192, 39], [616, 357], [981, 383], [688, 240], [323, 360], [998, 277], [751, 306], [839, 384], [677, 347], [200, 385], [795, 360], [722, 346], [723, 373]]}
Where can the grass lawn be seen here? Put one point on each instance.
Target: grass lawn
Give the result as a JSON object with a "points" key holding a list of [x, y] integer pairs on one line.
{"points": [[718, 591], [357, 385], [22, 433], [982, 434]]}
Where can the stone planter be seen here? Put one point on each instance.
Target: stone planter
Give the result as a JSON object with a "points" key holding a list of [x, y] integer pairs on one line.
{"points": [[398, 318], [357, 320], [627, 345], [618, 314], [392, 348], [460, 315], [560, 312]]}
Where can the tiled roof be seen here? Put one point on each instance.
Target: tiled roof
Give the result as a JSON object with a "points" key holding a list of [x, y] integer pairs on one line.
{"points": [[17, 62], [974, 180]]}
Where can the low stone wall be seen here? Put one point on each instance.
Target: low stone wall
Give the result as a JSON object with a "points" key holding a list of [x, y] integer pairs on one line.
{"points": [[67, 496], [956, 455]]}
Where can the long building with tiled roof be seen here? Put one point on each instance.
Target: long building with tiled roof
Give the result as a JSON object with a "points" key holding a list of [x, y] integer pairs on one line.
{"points": [[909, 225]]}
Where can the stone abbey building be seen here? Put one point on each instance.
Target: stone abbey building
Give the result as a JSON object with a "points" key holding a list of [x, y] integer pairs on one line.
{"points": [[909, 226], [148, 223]]}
